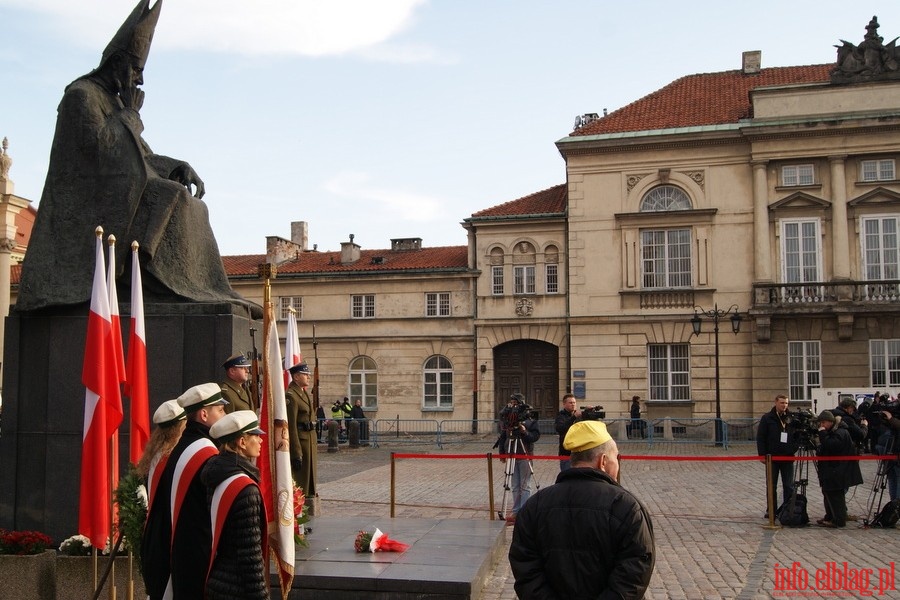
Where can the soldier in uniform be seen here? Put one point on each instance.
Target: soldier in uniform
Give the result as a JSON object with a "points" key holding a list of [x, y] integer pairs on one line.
{"points": [[235, 388], [301, 429]]}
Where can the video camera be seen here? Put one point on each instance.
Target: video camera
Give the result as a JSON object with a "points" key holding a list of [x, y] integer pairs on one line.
{"points": [[886, 404], [592, 413], [803, 427], [516, 411]]}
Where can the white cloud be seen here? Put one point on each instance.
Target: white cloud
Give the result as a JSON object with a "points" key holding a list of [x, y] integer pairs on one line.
{"points": [[261, 27], [358, 187]]}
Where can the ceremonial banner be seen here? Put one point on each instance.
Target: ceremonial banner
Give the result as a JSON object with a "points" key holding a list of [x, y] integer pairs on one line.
{"points": [[292, 353], [102, 411], [136, 387]]}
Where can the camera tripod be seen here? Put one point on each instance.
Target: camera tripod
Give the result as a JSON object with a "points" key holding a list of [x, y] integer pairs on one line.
{"points": [[876, 495], [513, 445]]}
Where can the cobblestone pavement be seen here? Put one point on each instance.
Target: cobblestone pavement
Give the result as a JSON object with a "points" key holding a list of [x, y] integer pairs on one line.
{"points": [[711, 539]]}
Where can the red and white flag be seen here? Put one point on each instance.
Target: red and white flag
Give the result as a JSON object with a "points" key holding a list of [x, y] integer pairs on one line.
{"points": [[136, 386], [276, 480], [292, 353], [116, 324], [102, 411]]}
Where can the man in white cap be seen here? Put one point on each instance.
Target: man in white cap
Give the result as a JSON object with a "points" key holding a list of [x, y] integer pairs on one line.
{"points": [[585, 536], [179, 571]]}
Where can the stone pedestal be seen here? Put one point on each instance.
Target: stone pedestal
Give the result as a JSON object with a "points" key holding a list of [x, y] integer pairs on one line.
{"points": [[43, 397]]}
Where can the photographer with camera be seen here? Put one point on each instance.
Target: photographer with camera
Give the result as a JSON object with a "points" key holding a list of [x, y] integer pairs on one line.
{"points": [[519, 433], [857, 425], [836, 476], [889, 443], [565, 418], [773, 438]]}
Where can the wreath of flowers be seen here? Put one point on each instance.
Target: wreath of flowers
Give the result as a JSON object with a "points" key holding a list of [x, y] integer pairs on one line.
{"points": [[131, 497], [23, 542], [301, 516]]}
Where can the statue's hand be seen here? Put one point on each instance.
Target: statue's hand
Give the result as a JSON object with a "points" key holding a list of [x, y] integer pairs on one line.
{"points": [[132, 97], [186, 176]]}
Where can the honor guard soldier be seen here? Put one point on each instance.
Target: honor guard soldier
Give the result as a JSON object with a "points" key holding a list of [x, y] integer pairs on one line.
{"points": [[235, 388], [301, 429]]}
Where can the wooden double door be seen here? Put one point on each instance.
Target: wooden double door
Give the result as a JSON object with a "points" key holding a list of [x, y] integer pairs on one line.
{"points": [[531, 368]]}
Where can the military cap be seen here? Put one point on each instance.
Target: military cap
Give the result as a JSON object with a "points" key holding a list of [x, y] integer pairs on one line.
{"points": [[299, 368], [238, 360], [201, 396], [234, 425]]}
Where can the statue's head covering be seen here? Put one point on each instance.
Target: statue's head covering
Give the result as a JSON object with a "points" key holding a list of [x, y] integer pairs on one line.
{"points": [[136, 33]]}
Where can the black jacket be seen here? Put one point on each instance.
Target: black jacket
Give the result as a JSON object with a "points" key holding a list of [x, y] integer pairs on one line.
{"points": [[857, 430], [837, 474], [526, 439], [768, 436], [237, 570], [564, 420], [584, 537]]}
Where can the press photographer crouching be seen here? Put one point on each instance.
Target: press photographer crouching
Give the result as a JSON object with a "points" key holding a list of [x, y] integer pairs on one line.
{"points": [[836, 476], [519, 432]]}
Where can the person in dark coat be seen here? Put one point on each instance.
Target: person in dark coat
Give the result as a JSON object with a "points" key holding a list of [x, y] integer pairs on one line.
{"points": [[180, 564], [773, 438], [358, 414], [237, 571], [517, 439], [835, 476], [857, 425], [586, 536], [565, 418]]}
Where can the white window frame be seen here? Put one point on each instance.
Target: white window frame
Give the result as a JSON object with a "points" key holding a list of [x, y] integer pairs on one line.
{"points": [[551, 278], [798, 175], [669, 372], [657, 270], [523, 280], [882, 169], [804, 368], [437, 304], [665, 198], [363, 382], [801, 259], [437, 385], [884, 363], [497, 280], [362, 306], [287, 302]]}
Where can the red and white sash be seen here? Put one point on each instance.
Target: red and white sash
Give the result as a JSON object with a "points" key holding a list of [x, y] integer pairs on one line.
{"points": [[222, 499], [156, 470], [186, 469]]}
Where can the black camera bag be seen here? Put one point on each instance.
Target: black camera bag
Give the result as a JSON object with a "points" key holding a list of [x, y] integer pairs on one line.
{"points": [[793, 512], [888, 515]]}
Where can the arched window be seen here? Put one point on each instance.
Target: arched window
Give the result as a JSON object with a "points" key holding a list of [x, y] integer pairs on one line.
{"points": [[364, 382], [664, 198], [438, 392]]}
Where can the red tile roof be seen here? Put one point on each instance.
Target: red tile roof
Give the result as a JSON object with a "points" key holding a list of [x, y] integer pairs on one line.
{"points": [[702, 99], [551, 201], [325, 263]]}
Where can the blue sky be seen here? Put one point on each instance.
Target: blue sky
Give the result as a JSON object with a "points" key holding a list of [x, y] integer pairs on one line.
{"points": [[386, 118]]}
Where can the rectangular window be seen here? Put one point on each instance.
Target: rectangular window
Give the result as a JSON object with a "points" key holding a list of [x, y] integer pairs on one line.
{"points": [[670, 371], [666, 258], [804, 369], [801, 261], [286, 303], [524, 279], [797, 175], [880, 248], [884, 360], [362, 307], [437, 304], [878, 170], [497, 281], [438, 389], [551, 274]]}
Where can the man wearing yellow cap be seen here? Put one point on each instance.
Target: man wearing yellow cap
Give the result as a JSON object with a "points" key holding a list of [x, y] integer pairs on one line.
{"points": [[585, 536]]}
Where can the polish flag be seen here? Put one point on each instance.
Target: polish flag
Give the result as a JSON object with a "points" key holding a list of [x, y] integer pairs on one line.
{"points": [[102, 411], [276, 481], [116, 324], [292, 353], [136, 387]]}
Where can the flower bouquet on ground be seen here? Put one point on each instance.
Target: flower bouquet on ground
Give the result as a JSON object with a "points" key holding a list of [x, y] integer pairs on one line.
{"points": [[76, 545], [377, 542], [301, 516], [23, 542]]}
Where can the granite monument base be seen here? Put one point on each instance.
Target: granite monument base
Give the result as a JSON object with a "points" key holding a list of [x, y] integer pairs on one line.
{"points": [[43, 397], [448, 559]]}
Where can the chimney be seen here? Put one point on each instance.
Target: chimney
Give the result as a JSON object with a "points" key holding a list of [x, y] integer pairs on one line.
{"points": [[300, 234], [280, 250], [349, 252], [751, 62]]}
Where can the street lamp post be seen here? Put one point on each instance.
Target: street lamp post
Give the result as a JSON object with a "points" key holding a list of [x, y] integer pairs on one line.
{"points": [[696, 322]]}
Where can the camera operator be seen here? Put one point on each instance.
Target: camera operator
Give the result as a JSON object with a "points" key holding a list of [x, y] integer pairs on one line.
{"points": [[857, 425], [835, 476], [520, 432], [889, 443], [773, 438], [565, 418]]}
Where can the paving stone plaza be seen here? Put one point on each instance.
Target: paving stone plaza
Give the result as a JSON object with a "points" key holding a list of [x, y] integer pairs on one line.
{"points": [[707, 516]]}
